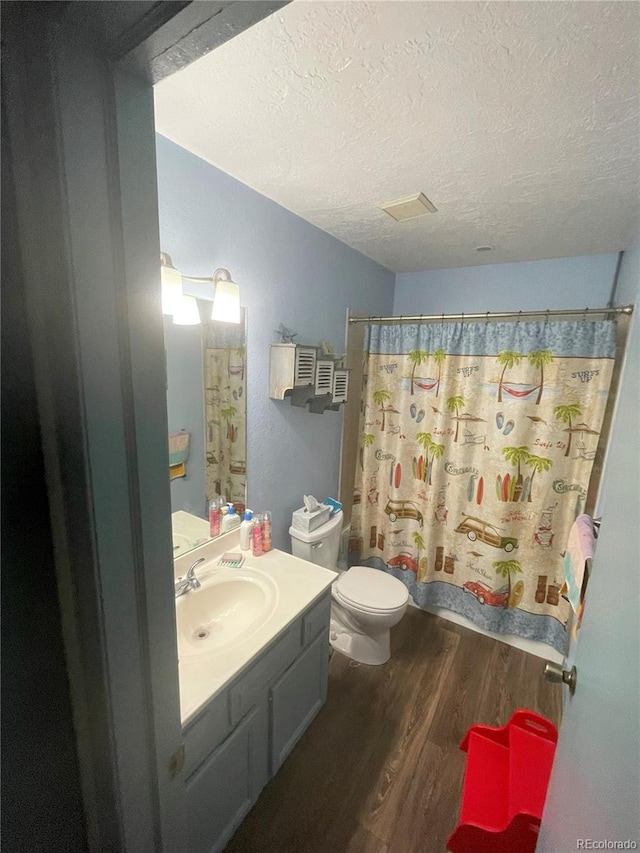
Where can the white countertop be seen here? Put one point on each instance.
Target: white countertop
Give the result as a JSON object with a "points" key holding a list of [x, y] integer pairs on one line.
{"points": [[298, 583], [188, 532]]}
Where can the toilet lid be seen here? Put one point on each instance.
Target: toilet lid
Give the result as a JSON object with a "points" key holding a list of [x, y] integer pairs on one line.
{"points": [[372, 589]]}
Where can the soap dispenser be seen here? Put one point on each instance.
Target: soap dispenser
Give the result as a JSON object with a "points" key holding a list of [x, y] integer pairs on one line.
{"points": [[246, 528]]}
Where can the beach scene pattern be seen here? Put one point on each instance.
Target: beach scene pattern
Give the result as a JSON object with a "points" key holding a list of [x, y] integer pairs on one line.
{"points": [[225, 412], [476, 447]]}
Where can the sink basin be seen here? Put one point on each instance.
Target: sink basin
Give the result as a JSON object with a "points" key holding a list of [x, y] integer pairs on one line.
{"points": [[230, 606]]}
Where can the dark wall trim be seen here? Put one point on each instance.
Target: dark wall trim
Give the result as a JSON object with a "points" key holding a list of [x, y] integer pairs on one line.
{"points": [[155, 40]]}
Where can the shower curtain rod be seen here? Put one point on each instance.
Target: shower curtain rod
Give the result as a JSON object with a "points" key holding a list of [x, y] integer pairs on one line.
{"points": [[496, 315]]}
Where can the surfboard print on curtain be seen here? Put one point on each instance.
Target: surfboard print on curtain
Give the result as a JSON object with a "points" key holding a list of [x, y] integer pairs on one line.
{"points": [[476, 446]]}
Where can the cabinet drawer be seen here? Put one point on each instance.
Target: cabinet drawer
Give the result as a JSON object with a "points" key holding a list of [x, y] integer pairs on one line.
{"points": [[245, 693], [317, 619]]}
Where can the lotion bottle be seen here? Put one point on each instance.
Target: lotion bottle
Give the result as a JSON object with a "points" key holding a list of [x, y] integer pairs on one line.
{"points": [[230, 520], [246, 529]]}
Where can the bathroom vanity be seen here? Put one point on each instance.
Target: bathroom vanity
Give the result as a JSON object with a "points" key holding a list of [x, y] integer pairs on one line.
{"points": [[247, 698]]}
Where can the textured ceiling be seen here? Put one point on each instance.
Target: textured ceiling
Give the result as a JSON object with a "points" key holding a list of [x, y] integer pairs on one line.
{"points": [[518, 120]]}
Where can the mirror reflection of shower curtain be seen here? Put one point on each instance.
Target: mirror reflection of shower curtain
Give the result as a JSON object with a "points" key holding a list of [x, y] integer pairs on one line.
{"points": [[476, 447], [225, 410]]}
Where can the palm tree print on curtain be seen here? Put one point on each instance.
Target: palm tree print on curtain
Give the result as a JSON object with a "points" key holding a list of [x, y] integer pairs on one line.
{"points": [[416, 357], [508, 359], [380, 398], [454, 404], [439, 357], [506, 568], [539, 358], [565, 413], [476, 520], [225, 410]]}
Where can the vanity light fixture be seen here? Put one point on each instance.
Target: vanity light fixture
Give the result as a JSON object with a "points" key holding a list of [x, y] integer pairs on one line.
{"points": [[183, 309], [225, 296], [226, 300]]}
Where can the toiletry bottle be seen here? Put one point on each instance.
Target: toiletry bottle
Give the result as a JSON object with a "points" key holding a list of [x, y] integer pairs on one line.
{"points": [[256, 537], [266, 531], [230, 520], [214, 518], [246, 529]]}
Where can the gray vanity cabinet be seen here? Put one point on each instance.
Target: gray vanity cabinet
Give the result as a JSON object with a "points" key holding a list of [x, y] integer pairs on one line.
{"points": [[242, 736], [223, 789], [296, 698]]}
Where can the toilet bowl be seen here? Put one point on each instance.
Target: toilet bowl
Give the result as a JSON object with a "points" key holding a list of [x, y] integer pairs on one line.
{"points": [[365, 603]]}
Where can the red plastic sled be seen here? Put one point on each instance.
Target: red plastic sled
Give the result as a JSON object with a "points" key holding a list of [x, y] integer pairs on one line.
{"points": [[505, 785]]}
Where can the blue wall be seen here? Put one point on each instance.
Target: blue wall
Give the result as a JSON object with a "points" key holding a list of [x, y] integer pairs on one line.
{"points": [[289, 272], [185, 408], [530, 286]]}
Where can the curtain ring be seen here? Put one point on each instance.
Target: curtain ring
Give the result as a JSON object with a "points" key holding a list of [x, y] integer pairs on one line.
{"points": [[518, 320], [486, 319], [442, 320], [546, 319], [584, 316]]}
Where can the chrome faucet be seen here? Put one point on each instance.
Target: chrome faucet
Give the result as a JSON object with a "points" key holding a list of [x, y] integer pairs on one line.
{"points": [[189, 581]]}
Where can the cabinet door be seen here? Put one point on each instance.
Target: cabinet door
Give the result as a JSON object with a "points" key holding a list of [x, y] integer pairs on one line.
{"points": [[297, 697], [223, 789]]}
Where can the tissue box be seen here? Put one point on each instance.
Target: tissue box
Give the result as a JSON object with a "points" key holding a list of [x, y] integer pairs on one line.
{"points": [[307, 521]]}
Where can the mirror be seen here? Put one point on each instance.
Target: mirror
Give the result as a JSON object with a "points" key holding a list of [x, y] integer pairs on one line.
{"points": [[206, 406]]}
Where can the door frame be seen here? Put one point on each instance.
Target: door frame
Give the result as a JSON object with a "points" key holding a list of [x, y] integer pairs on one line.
{"points": [[77, 89]]}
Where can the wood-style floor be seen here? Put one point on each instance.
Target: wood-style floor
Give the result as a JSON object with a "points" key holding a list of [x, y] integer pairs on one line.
{"points": [[379, 770]]}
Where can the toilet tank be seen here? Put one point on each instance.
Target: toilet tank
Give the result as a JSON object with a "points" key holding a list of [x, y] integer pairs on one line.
{"points": [[321, 546]]}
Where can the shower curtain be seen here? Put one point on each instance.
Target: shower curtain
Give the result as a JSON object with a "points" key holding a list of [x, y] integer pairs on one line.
{"points": [[477, 442], [225, 410]]}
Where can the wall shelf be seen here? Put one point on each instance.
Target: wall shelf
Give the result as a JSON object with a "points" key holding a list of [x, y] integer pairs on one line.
{"points": [[308, 378]]}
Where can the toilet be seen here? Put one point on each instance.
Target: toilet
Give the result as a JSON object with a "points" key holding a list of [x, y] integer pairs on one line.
{"points": [[366, 603]]}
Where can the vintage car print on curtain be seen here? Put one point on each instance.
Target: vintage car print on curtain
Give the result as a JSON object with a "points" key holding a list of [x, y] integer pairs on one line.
{"points": [[476, 446]]}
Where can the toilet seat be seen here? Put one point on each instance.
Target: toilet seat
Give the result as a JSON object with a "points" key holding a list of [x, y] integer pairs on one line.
{"points": [[356, 607], [370, 591]]}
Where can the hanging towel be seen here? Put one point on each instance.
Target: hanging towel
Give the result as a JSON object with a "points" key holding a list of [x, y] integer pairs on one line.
{"points": [[580, 548], [179, 470], [178, 447]]}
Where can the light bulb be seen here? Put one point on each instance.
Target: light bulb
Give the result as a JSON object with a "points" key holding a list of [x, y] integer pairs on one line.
{"points": [[226, 302], [186, 312], [171, 288]]}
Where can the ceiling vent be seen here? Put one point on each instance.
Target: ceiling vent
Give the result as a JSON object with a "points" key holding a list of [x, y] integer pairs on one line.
{"points": [[408, 207]]}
